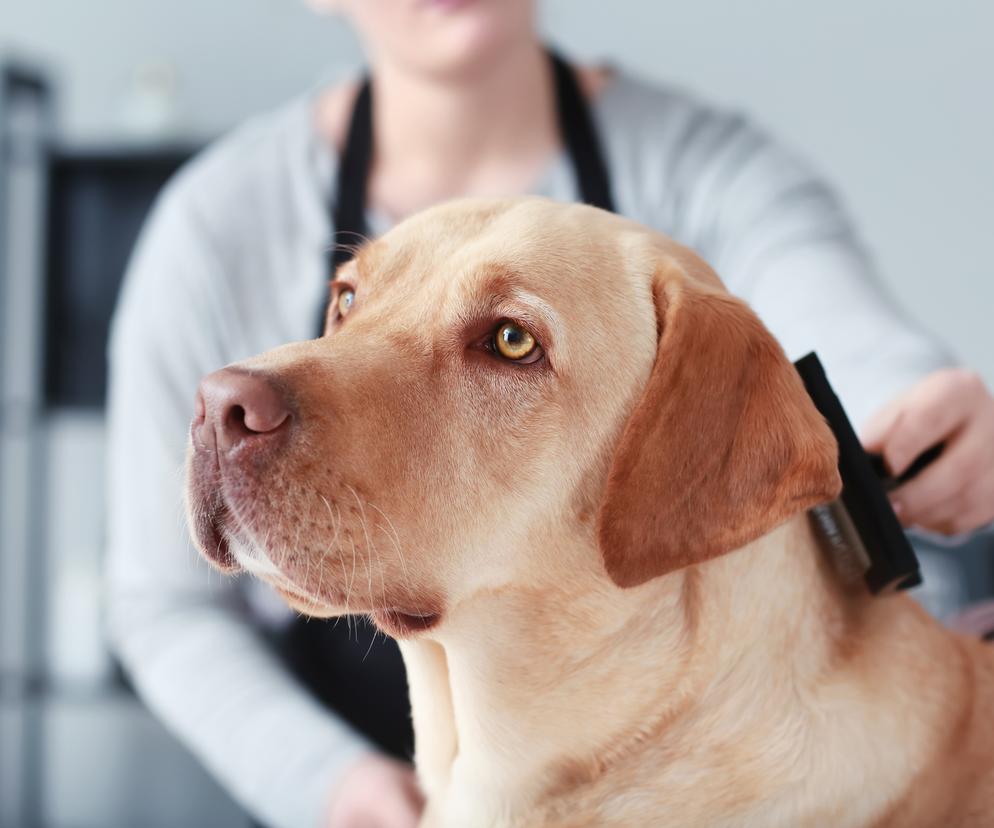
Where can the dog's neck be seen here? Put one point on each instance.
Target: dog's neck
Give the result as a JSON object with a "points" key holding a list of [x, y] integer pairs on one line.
{"points": [[710, 680]]}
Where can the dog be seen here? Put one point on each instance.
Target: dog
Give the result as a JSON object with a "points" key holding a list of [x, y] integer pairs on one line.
{"points": [[543, 447]]}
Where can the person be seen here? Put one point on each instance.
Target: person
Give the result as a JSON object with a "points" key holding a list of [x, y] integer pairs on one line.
{"points": [[233, 262]]}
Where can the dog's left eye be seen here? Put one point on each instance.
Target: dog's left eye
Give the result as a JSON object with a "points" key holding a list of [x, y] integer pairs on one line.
{"points": [[515, 343], [345, 301]]}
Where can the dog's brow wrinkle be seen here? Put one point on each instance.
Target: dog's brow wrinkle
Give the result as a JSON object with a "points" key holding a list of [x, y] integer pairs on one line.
{"points": [[498, 278]]}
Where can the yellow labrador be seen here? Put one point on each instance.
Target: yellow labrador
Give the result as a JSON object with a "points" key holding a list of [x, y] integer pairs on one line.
{"points": [[545, 449]]}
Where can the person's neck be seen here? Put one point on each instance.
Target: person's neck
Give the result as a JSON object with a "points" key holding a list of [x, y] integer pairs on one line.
{"points": [[555, 698], [484, 133]]}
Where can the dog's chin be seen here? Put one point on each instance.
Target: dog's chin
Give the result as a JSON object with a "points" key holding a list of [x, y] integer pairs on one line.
{"points": [[306, 605], [257, 563]]}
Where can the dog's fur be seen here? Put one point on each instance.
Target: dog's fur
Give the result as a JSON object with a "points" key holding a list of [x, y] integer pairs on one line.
{"points": [[612, 605]]}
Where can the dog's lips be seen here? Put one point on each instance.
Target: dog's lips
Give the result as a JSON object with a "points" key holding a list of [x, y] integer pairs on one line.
{"points": [[220, 516], [400, 623], [210, 516], [211, 534]]}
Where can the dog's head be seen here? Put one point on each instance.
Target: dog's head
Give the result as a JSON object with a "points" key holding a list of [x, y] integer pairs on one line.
{"points": [[506, 392]]}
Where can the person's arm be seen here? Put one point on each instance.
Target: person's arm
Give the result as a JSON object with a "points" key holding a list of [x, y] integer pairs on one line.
{"points": [[177, 626], [780, 239]]}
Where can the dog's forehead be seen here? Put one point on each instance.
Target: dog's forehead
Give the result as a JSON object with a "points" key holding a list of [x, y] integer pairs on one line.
{"points": [[455, 252]]}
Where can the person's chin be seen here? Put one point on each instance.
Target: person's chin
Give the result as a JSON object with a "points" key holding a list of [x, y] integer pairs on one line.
{"points": [[464, 45]]}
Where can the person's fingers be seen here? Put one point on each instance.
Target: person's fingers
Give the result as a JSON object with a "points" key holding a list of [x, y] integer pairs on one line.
{"points": [[397, 808], [940, 517], [926, 415], [977, 507], [414, 793], [950, 518], [398, 801], [377, 792], [956, 493], [939, 482], [876, 429]]}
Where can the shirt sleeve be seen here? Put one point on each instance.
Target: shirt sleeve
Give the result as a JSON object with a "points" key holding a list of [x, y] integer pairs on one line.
{"points": [[780, 239], [179, 628]]}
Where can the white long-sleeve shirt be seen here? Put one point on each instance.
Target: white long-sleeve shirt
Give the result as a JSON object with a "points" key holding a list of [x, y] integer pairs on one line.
{"points": [[232, 262]]}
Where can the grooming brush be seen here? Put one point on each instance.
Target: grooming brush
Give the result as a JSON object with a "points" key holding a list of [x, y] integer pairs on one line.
{"points": [[862, 519]]}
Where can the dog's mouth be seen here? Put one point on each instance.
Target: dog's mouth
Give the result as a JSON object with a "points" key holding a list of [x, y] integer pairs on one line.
{"points": [[400, 623], [219, 527], [210, 517], [215, 524], [217, 536]]}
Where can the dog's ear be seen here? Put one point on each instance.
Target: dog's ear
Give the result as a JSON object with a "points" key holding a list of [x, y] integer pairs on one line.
{"points": [[724, 443]]}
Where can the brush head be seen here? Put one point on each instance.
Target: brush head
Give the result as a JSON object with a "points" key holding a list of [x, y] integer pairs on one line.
{"points": [[892, 563]]}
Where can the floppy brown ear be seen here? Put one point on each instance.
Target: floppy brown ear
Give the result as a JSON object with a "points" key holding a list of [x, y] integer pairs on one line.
{"points": [[723, 446]]}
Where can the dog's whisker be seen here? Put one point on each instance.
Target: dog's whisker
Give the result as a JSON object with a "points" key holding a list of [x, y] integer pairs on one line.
{"points": [[336, 526], [371, 545], [372, 640], [352, 544], [395, 538], [341, 561], [369, 575], [351, 247], [319, 589], [362, 513], [351, 581], [371, 548], [379, 567], [400, 556]]}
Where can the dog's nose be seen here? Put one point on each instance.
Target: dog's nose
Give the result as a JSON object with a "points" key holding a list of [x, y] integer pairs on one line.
{"points": [[235, 406]]}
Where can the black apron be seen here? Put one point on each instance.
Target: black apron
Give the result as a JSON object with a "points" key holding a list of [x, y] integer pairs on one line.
{"points": [[349, 667]]}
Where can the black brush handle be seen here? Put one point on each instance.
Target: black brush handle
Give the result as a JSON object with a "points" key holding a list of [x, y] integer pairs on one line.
{"points": [[893, 564], [920, 463]]}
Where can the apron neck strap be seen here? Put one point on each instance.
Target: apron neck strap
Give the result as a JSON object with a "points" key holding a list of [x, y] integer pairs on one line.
{"points": [[579, 135]]}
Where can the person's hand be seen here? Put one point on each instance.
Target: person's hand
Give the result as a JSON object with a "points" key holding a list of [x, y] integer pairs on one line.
{"points": [[376, 792], [954, 494]]}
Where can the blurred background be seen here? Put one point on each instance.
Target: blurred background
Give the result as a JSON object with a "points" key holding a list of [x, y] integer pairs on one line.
{"points": [[101, 101]]}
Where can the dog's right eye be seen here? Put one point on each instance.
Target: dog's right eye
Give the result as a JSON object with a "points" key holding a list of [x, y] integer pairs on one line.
{"points": [[516, 343]]}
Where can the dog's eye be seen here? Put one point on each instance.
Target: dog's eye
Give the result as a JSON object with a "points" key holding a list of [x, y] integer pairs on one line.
{"points": [[345, 301], [515, 343]]}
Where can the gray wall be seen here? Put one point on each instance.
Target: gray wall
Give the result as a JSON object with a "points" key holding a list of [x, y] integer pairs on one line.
{"points": [[891, 98]]}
